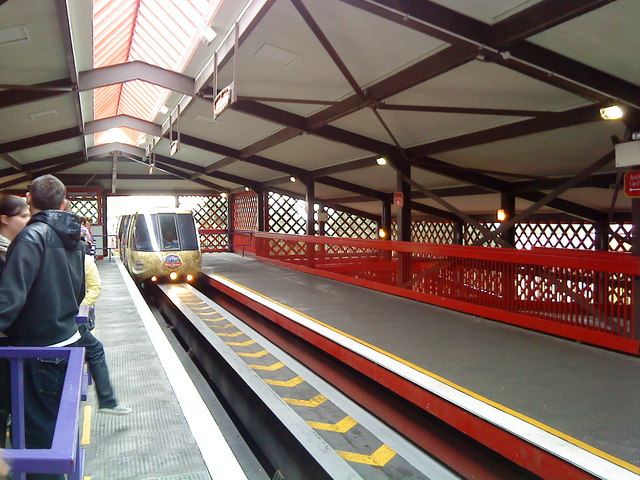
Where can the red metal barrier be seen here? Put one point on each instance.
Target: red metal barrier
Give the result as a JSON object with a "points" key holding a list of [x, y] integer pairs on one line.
{"points": [[582, 295]]}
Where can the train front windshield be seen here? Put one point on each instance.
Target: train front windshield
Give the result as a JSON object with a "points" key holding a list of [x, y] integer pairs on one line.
{"points": [[164, 232]]}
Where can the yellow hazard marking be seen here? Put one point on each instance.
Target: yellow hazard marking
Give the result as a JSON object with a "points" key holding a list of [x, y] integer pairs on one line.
{"points": [[379, 458], [234, 334], [241, 344], [228, 325], [268, 368], [261, 353], [344, 425], [285, 383], [86, 426], [314, 402], [213, 319], [499, 406]]}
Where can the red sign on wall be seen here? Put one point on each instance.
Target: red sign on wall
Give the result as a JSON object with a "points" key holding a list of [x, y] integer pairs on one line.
{"points": [[398, 199], [632, 183]]}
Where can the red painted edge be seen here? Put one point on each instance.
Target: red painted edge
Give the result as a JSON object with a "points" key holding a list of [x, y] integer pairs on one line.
{"points": [[627, 345], [515, 449]]}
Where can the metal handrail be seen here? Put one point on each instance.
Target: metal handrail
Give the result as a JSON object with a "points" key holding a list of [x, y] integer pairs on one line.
{"points": [[65, 454]]}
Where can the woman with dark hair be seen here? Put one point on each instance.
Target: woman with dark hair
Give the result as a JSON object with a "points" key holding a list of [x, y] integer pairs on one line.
{"points": [[14, 215]]}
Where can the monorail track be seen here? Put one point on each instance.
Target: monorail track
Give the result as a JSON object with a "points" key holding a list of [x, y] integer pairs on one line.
{"points": [[302, 409]]}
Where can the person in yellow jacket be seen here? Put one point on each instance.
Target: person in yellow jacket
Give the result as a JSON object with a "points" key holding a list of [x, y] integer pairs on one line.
{"points": [[94, 351]]}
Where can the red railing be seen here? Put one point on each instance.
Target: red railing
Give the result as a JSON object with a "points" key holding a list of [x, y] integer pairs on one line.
{"points": [[583, 295], [222, 240]]}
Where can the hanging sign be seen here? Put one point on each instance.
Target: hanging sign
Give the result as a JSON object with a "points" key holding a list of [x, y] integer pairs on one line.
{"points": [[398, 199], [223, 100], [632, 183]]}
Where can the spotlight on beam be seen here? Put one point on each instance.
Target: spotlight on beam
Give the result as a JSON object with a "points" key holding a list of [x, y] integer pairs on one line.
{"points": [[612, 112]]}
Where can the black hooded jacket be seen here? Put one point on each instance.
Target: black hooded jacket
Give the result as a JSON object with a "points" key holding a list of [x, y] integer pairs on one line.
{"points": [[43, 281]]}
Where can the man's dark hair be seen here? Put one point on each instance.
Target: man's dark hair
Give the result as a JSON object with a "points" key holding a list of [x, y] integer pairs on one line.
{"points": [[47, 192]]}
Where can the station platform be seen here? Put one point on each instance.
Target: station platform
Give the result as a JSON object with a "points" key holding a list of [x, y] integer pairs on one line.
{"points": [[174, 431], [575, 402]]}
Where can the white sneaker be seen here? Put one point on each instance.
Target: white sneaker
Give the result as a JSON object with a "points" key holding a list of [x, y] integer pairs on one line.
{"points": [[117, 410]]}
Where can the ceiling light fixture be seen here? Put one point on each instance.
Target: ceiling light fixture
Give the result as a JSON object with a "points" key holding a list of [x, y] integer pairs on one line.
{"points": [[612, 112], [223, 195], [501, 215], [208, 36], [382, 233], [381, 161], [246, 189], [292, 179]]}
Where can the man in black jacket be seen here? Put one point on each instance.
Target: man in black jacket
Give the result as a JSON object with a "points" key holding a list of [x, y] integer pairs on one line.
{"points": [[40, 290]]}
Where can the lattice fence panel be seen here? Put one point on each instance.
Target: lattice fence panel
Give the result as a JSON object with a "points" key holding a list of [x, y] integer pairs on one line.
{"points": [[286, 214], [245, 211], [432, 232], [394, 230], [342, 224], [615, 243], [580, 236], [86, 206], [472, 234], [210, 213]]}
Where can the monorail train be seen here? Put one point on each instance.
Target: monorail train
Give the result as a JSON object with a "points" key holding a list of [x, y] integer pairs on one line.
{"points": [[159, 246]]}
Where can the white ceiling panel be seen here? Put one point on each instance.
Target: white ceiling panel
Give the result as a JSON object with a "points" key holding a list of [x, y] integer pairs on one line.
{"points": [[558, 152], [42, 55], [40, 117], [372, 48], [232, 129], [378, 178], [488, 85], [606, 39], [282, 57], [414, 128], [309, 152], [50, 150], [488, 11], [250, 171]]}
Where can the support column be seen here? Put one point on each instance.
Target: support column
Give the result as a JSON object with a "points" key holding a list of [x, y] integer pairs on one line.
{"points": [[403, 221], [310, 199], [602, 236], [311, 221], [385, 221], [508, 204], [105, 225], [230, 222], [403, 214], [262, 212], [458, 232]]}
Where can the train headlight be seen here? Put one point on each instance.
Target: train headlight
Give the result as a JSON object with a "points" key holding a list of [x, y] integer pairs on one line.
{"points": [[173, 275], [154, 279], [189, 277]]}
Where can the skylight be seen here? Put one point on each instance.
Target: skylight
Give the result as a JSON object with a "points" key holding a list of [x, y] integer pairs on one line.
{"points": [[164, 33]]}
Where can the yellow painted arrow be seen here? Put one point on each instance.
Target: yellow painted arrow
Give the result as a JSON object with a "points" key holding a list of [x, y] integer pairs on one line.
{"points": [[288, 383], [241, 344], [234, 334], [344, 425], [261, 353], [314, 402], [379, 458], [268, 368]]}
